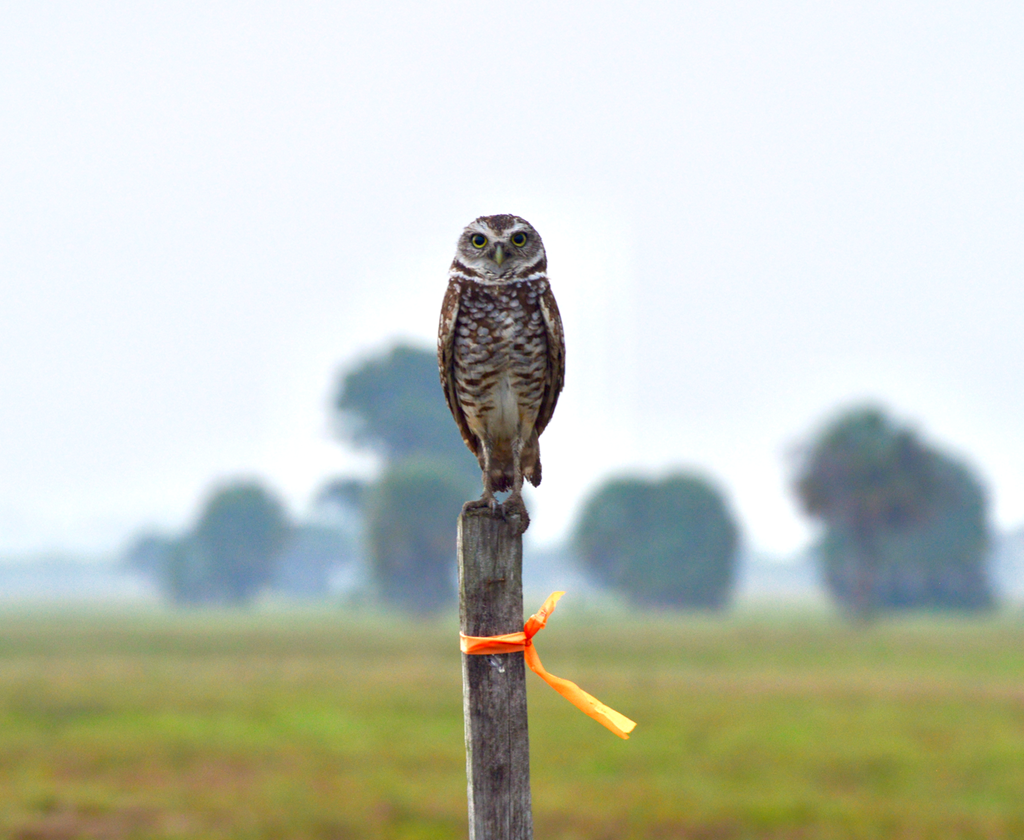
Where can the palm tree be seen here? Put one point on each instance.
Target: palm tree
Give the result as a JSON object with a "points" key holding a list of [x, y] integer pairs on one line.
{"points": [[865, 477]]}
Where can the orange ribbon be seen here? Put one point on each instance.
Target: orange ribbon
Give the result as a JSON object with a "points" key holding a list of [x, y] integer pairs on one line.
{"points": [[523, 641]]}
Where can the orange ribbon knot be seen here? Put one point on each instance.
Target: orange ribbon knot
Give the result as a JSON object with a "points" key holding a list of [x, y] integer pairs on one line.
{"points": [[523, 641]]}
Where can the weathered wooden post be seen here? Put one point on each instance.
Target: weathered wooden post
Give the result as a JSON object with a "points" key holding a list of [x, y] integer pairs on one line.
{"points": [[490, 553]]}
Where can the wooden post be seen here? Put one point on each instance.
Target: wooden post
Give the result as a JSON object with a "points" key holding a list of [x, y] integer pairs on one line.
{"points": [[494, 686]]}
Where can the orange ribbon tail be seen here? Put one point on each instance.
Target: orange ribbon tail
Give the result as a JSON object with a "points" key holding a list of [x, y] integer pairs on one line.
{"points": [[523, 641]]}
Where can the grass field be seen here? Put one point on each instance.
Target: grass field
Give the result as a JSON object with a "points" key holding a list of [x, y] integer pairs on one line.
{"points": [[327, 725]]}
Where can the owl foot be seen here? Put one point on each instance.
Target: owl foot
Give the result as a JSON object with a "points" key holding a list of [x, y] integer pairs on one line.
{"points": [[485, 502], [515, 513]]}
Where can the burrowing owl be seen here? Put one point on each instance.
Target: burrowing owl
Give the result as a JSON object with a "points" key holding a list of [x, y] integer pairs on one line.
{"points": [[501, 353]]}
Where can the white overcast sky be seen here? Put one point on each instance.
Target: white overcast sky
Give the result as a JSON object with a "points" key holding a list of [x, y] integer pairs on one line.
{"points": [[755, 214]]}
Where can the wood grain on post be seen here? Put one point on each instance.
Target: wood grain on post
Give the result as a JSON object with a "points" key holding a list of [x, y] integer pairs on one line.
{"points": [[494, 686]]}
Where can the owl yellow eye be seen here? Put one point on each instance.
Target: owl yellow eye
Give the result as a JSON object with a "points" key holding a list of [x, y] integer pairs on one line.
{"points": [[519, 239], [478, 240]]}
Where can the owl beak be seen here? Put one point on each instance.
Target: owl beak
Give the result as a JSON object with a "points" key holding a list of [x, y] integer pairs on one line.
{"points": [[499, 255]]}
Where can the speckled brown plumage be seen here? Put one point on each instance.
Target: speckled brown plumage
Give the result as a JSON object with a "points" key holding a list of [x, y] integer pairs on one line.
{"points": [[501, 351]]}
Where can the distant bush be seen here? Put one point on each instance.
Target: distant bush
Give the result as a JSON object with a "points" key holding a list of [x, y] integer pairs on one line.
{"points": [[229, 555], [669, 543]]}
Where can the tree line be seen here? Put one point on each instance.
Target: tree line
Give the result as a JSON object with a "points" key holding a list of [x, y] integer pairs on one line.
{"points": [[903, 524], [242, 543]]}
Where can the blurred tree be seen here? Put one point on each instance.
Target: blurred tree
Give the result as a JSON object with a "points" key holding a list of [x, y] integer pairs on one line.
{"points": [[186, 578], [150, 554], [905, 525], [393, 405], [411, 533], [344, 492], [312, 553], [668, 543], [230, 554]]}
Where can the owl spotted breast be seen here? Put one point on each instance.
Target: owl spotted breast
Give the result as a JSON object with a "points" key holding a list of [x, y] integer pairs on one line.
{"points": [[501, 353]]}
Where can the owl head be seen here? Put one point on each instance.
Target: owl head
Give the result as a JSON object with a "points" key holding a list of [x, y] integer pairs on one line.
{"points": [[500, 249]]}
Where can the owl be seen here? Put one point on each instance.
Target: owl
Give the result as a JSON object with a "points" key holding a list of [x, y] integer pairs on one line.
{"points": [[501, 354]]}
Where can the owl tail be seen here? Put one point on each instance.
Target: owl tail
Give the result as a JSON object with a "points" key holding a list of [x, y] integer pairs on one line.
{"points": [[531, 460]]}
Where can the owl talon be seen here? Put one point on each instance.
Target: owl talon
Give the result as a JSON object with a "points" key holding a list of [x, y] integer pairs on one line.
{"points": [[515, 513], [483, 503]]}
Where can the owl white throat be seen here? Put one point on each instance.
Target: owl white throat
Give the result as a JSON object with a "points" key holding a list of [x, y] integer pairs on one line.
{"points": [[501, 355]]}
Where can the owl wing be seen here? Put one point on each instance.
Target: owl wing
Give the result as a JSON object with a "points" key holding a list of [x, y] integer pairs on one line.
{"points": [[555, 373], [446, 363]]}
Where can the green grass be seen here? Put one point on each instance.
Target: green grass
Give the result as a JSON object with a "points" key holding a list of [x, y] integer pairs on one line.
{"points": [[328, 725]]}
